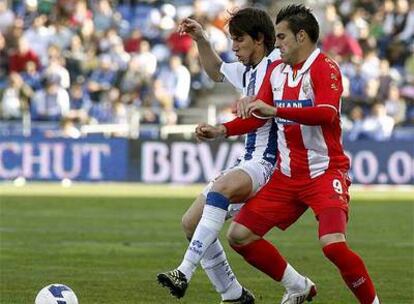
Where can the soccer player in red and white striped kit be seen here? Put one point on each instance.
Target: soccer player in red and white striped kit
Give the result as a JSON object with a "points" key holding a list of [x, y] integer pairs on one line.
{"points": [[302, 92]]}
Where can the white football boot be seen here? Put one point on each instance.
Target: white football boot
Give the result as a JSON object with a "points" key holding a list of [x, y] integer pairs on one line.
{"points": [[299, 297]]}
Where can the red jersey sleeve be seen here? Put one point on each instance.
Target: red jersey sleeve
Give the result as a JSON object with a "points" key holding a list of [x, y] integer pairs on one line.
{"points": [[239, 126], [327, 82]]}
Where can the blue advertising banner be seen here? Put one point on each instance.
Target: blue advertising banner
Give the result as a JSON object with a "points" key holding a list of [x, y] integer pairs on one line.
{"points": [[189, 162], [56, 159], [182, 162], [390, 162]]}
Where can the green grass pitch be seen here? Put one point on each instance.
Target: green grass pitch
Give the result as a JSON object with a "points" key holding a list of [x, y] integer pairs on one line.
{"points": [[108, 242]]}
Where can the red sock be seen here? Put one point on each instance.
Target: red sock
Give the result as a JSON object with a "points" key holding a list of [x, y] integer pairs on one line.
{"points": [[353, 271], [265, 257]]}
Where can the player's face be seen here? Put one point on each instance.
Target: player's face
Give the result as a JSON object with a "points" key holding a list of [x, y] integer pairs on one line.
{"points": [[246, 49], [287, 43]]}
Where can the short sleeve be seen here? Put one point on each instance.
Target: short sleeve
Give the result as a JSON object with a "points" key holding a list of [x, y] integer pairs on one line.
{"points": [[327, 83], [233, 72]]}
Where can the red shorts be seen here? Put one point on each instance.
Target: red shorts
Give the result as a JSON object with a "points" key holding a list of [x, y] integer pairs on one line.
{"points": [[283, 200]]}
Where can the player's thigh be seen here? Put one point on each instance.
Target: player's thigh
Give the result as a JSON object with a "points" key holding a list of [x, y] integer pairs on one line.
{"points": [[244, 180], [274, 205], [192, 216], [235, 184], [328, 191]]}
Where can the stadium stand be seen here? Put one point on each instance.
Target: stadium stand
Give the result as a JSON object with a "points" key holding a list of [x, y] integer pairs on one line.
{"points": [[119, 68]]}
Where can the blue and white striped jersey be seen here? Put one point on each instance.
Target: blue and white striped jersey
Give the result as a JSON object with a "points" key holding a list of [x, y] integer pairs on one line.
{"points": [[260, 144]]}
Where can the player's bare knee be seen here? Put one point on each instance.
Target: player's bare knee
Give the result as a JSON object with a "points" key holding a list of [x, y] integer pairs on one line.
{"points": [[238, 235], [223, 188]]}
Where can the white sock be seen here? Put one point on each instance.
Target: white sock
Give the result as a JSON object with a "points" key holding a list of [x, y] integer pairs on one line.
{"points": [[219, 272], [205, 234], [376, 300], [292, 280]]}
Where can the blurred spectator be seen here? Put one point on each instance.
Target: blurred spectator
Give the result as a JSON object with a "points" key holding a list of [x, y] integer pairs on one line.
{"points": [[358, 85], [80, 103], [39, 37], [133, 42], [356, 122], [13, 35], [395, 106], [371, 90], [400, 23], [328, 19], [28, 12], [101, 79], [370, 67], [177, 81], [81, 14], [75, 58], [31, 76], [23, 54], [109, 38], [218, 39], [6, 17], [199, 78], [91, 62], [15, 97], [357, 25], [50, 103], [338, 42], [61, 36], [119, 56], [56, 66], [134, 79], [378, 125], [103, 17], [179, 44], [146, 59], [87, 35]]}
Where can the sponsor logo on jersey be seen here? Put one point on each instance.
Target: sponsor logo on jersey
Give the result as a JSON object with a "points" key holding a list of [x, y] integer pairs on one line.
{"points": [[291, 104]]}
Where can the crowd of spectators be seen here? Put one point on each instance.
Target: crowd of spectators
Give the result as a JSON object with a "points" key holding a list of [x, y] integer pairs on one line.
{"points": [[101, 61], [373, 42]]}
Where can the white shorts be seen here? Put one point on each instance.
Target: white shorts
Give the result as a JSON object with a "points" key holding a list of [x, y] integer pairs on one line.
{"points": [[259, 171]]}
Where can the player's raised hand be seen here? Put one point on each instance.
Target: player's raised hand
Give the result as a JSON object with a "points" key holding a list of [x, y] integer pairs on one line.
{"points": [[206, 132], [261, 109], [241, 109], [191, 27]]}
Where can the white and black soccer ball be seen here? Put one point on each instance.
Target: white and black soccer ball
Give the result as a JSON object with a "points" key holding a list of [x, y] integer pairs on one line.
{"points": [[56, 294]]}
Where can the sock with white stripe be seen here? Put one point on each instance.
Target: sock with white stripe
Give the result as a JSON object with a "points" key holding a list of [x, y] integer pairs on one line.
{"points": [[219, 272], [207, 231]]}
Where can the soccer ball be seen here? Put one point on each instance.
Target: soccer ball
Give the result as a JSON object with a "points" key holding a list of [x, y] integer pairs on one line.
{"points": [[56, 294]]}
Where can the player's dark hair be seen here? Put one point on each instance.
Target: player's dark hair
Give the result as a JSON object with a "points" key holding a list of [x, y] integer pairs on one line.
{"points": [[299, 17], [253, 22]]}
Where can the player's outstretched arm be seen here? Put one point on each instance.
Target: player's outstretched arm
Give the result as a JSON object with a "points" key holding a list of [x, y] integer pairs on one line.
{"points": [[210, 60]]}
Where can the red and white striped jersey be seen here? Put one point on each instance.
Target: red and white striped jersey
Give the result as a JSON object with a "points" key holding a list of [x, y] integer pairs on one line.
{"points": [[306, 150]]}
